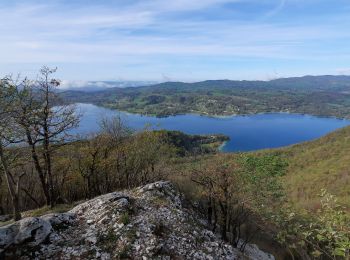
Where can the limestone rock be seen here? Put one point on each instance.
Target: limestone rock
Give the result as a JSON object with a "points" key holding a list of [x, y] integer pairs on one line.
{"points": [[30, 232], [149, 222]]}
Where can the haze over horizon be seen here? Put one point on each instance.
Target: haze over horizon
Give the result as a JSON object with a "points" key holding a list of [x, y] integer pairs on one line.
{"points": [[176, 41]]}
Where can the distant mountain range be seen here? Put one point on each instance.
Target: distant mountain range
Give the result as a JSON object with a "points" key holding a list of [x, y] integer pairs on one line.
{"points": [[313, 82], [318, 95]]}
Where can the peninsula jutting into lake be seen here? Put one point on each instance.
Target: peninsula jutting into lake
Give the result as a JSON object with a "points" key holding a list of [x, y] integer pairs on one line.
{"points": [[246, 133], [175, 130]]}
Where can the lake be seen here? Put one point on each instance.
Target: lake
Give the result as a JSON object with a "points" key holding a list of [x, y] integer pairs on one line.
{"points": [[247, 133]]}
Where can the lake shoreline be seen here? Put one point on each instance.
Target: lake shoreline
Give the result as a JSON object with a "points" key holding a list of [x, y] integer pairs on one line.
{"points": [[224, 115], [246, 132]]}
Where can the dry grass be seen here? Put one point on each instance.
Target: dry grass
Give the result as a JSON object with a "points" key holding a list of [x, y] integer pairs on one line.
{"points": [[320, 164], [315, 165], [47, 210]]}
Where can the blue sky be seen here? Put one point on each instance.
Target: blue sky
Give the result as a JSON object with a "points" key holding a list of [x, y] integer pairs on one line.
{"points": [[185, 40]]}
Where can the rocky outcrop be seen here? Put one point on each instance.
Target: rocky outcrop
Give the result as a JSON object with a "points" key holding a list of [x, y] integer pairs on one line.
{"points": [[149, 222], [30, 232]]}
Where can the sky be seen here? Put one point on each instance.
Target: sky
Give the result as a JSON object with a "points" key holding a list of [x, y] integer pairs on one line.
{"points": [[175, 40]]}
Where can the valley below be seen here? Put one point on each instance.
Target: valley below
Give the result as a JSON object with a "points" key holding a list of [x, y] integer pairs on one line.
{"points": [[175, 130], [315, 95], [104, 177]]}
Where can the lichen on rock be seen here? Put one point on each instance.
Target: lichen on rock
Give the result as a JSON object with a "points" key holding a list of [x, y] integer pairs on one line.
{"points": [[149, 222]]}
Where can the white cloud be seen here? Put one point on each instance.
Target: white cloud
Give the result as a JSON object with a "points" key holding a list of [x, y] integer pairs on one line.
{"points": [[128, 34], [65, 84], [160, 6], [343, 71], [276, 9]]}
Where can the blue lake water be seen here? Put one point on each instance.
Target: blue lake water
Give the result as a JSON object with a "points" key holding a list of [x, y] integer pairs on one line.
{"points": [[247, 133]]}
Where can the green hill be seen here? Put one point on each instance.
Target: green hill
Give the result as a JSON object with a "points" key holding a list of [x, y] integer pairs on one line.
{"points": [[316, 95], [318, 164]]}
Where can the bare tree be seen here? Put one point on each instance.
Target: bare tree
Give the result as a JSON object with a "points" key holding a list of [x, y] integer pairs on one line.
{"points": [[45, 124], [9, 134], [54, 122], [116, 129]]}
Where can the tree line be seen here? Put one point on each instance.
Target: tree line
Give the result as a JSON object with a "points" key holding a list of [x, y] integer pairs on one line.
{"points": [[243, 199], [43, 164], [241, 195]]}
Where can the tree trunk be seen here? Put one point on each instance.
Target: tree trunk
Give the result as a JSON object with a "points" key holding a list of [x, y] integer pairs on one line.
{"points": [[88, 179], [223, 207], [210, 211], [47, 152], [31, 197], [47, 157], [16, 210], [215, 216], [10, 184], [38, 168], [51, 186]]}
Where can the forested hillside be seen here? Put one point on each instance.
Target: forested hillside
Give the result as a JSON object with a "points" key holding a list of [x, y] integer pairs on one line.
{"points": [[316, 95], [322, 163], [308, 187], [293, 201]]}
